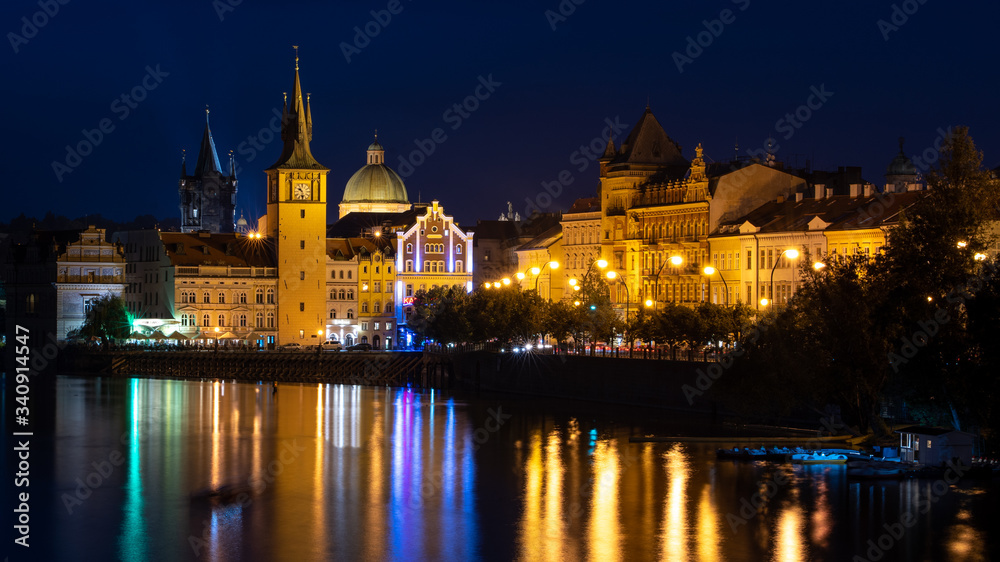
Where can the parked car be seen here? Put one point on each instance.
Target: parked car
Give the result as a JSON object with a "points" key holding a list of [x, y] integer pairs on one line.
{"points": [[360, 347], [332, 345], [292, 346]]}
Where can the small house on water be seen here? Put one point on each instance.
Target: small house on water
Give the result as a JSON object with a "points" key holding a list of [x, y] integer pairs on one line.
{"points": [[934, 446]]}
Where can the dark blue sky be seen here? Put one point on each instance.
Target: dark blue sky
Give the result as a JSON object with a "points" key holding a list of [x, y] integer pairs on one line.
{"points": [[556, 89]]}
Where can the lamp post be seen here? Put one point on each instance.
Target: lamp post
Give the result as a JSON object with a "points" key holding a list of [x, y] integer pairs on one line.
{"points": [[675, 261], [537, 271], [599, 263], [613, 276], [709, 271], [792, 254]]}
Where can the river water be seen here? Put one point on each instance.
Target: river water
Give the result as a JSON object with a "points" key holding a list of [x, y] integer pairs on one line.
{"points": [[149, 469]]}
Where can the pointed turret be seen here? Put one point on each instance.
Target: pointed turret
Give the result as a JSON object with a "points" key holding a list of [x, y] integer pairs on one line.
{"points": [[296, 131], [183, 164], [309, 117], [208, 158]]}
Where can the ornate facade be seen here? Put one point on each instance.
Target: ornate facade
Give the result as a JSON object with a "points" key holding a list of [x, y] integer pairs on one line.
{"points": [[207, 197]]}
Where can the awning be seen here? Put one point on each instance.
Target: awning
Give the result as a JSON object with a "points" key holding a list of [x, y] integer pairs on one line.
{"points": [[136, 336]]}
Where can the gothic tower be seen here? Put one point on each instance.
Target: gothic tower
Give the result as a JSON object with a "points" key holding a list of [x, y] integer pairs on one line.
{"points": [[296, 224], [207, 197]]}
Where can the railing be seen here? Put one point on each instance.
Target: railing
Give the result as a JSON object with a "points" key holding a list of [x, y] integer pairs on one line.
{"points": [[225, 271], [89, 279]]}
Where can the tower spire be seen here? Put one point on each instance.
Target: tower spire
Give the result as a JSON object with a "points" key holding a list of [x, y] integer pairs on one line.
{"points": [[208, 158], [296, 128], [183, 163]]}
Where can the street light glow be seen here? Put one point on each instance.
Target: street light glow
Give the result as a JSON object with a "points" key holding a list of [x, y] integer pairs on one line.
{"points": [[553, 264], [676, 260], [572, 282], [979, 257], [576, 303], [520, 276], [649, 302], [612, 275], [962, 244], [602, 263], [792, 253], [763, 302], [818, 265], [576, 287], [535, 270], [506, 280], [709, 270]]}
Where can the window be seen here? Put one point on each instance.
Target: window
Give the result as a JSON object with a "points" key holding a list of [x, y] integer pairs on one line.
{"points": [[341, 294], [375, 326], [270, 295], [302, 244], [378, 287], [364, 308], [205, 298], [259, 296], [409, 265], [349, 273], [243, 297], [243, 320], [302, 213], [409, 248], [388, 325], [302, 334], [458, 248], [333, 295], [350, 313], [341, 273], [388, 286], [302, 276], [388, 307], [333, 313], [222, 297], [364, 326], [388, 269], [270, 319], [222, 320], [409, 290], [350, 294], [302, 307], [205, 320], [259, 320], [365, 269], [377, 308]]}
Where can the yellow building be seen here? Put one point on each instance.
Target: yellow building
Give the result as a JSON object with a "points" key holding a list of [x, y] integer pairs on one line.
{"points": [[655, 205], [376, 293], [296, 224]]}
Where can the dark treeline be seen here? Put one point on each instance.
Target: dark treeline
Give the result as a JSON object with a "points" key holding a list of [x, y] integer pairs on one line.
{"points": [[51, 221]]}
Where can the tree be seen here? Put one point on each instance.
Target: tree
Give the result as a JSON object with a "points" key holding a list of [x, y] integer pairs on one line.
{"points": [[107, 319]]}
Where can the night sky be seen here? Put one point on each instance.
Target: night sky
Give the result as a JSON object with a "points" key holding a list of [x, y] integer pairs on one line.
{"points": [[552, 90]]}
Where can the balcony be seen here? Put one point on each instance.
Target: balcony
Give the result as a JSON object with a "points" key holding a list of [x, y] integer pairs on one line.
{"points": [[224, 271]]}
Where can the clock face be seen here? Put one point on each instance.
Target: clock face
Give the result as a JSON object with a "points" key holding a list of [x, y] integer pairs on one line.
{"points": [[302, 191]]}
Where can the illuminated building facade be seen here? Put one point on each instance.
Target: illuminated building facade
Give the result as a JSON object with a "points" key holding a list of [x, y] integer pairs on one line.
{"points": [[375, 188]]}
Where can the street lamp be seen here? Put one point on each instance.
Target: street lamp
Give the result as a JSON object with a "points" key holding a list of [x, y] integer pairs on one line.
{"points": [[818, 265], [675, 261], [538, 270], [505, 280], [709, 271], [792, 254]]}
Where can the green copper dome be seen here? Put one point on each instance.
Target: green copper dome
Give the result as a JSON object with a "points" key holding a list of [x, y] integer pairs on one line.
{"points": [[376, 182]]}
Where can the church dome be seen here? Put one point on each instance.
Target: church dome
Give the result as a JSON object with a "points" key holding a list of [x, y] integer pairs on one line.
{"points": [[375, 182], [901, 165]]}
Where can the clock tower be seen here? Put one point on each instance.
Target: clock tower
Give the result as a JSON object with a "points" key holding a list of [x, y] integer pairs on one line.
{"points": [[296, 224]]}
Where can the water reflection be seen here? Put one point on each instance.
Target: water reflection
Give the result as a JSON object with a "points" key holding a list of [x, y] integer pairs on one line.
{"points": [[226, 471]]}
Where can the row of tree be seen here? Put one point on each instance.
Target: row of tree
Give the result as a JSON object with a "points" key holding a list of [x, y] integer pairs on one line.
{"points": [[915, 325]]}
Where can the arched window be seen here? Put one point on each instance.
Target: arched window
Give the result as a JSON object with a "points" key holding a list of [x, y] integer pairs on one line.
{"points": [[270, 319], [270, 295], [388, 307], [260, 320], [460, 266], [222, 320], [364, 339], [333, 295], [333, 314], [350, 313], [206, 298], [205, 320], [243, 320], [458, 248], [364, 307], [350, 294], [259, 295], [243, 297], [349, 273], [222, 297], [377, 308], [341, 293], [409, 248]]}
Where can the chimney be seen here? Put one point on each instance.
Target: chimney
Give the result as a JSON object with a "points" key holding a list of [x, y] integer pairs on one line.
{"points": [[829, 192], [820, 191], [798, 197], [781, 199], [869, 189], [855, 190]]}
